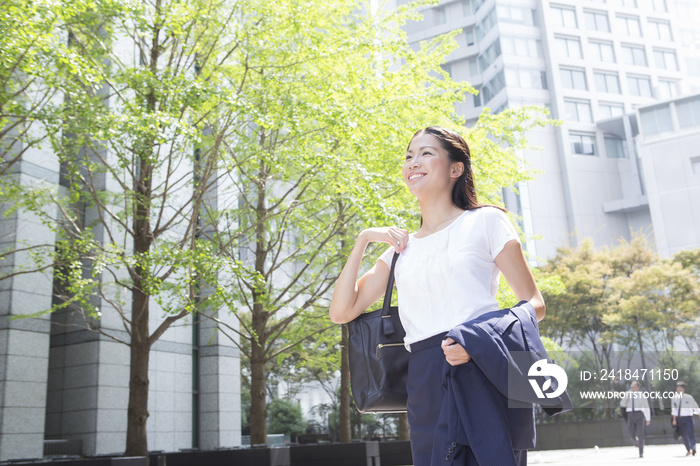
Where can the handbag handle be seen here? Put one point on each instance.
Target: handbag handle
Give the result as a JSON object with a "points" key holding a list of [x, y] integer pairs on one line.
{"points": [[387, 326]]}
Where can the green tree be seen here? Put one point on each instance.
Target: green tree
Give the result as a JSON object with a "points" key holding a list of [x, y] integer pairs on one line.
{"points": [[286, 418]]}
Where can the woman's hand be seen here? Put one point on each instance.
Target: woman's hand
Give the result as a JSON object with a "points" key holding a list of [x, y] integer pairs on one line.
{"points": [[396, 237], [454, 354]]}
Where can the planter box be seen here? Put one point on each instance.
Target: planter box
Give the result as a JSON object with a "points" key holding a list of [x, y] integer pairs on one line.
{"points": [[395, 453], [243, 457], [336, 454]]}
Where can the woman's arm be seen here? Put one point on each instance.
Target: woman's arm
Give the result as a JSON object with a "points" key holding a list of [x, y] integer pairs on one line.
{"points": [[517, 273], [514, 268], [351, 296]]}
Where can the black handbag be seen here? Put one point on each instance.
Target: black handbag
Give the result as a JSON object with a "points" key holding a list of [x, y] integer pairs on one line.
{"points": [[378, 358]]}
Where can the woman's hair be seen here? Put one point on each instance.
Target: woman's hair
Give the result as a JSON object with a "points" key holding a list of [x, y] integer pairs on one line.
{"points": [[463, 192]]}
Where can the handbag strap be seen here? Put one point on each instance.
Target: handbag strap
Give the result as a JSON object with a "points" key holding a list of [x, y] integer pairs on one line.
{"points": [[387, 326]]}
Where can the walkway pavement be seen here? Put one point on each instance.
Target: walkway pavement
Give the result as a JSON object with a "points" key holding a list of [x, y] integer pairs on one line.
{"points": [[654, 455]]}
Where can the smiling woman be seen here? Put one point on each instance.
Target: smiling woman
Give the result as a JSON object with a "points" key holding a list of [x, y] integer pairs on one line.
{"points": [[447, 274]]}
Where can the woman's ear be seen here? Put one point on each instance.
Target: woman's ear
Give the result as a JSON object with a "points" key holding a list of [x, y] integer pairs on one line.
{"points": [[457, 169]]}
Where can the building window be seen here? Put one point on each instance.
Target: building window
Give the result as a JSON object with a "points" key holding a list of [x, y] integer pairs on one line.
{"points": [[688, 112], [578, 110], [486, 24], [526, 78], [629, 26], [602, 51], [439, 16], [473, 67], [477, 97], [695, 164], [488, 56], [614, 148], [607, 82], [660, 30], [583, 144], [466, 38], [568, 46], [656, 120], [610, 110], [597, 21], [516, 15], [634, 55], [521, 46], [639, 85], [625, 3], [467, 8], [665, 59], [564, 17], [666, 89], [494, 86], [447, 68], [573, 78], [654, 5]]}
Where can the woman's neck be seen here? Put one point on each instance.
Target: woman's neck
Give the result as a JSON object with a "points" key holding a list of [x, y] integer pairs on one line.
{"points": [[437, 213]]}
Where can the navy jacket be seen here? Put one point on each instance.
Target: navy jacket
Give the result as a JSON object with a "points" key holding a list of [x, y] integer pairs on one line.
{"points": [[488, 402]]}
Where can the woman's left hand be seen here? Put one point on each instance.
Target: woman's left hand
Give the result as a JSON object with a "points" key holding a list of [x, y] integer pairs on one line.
{"points": [[454, 354]]}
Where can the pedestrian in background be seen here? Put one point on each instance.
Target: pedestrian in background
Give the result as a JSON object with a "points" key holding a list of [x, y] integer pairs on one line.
{"points": [[638, 415], [683, 408]]}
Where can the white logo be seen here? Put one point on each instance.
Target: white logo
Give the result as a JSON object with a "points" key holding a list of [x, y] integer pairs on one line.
{"points": [[544, 369]]}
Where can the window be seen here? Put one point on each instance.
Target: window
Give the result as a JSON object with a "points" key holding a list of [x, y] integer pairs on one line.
{"points": [[486, 24], [467, 8], [629, 25], [582, 144], [625, 3], [596, 21], [688, 112], [516, 15], [654, 5], [564, 17], [656, 120], [639, 85], [634, 55], [695, 164], [466, 38], [614, 148], [607, 82], [526, 78], [494, 86], [609, 110], [488, 56], [666, 89], [522, 46], [578, 110], [568, 46], [665, 59], [660, 30], [573, 78], [477, 97], [473, 67], [602, 51], [439, 16], [447, 68]]}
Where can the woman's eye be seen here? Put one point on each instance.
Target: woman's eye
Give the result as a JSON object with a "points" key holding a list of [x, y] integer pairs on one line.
{"points": [[408, 157]]}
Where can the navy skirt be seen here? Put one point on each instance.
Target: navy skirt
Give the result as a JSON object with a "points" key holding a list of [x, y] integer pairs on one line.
{"points": [[425, 393]]}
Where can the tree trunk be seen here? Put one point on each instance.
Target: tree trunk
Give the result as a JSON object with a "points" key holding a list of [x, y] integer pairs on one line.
{"points": [[258, 406], [345, 431], [137, 413], [404, 430]]}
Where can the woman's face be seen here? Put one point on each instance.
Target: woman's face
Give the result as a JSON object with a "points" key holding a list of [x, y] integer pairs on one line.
{"points": [[428, 167]]}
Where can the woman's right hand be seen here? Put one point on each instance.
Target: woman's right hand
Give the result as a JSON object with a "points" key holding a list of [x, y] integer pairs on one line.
{"points": [[396, 237]]}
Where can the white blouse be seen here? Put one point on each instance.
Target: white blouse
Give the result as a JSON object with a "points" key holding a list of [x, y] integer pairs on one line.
{"points": [[450, 277]]}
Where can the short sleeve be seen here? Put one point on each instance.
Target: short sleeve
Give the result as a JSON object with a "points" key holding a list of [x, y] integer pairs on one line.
{"points": [[499, 229], [387, 256]]}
